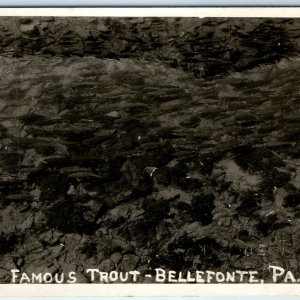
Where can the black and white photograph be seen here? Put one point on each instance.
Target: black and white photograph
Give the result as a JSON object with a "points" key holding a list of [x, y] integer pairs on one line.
{"points": [[149, 150]]}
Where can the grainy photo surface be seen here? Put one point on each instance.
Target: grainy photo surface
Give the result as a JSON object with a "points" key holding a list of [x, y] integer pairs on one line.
{"points": [[149, 150]]}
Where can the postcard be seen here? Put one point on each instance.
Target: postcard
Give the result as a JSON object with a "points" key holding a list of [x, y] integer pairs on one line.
{"points": [[149, 151]]}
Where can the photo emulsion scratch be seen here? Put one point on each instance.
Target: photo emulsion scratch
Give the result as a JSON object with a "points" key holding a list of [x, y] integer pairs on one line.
{"points": [[149, 150]]}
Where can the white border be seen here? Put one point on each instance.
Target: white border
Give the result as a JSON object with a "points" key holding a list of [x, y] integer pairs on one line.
{"points": [[153, 290], [28, 290], [201, 12]]}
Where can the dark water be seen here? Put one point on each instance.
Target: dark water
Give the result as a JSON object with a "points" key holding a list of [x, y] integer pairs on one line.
{"points": [[129, 162]]}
